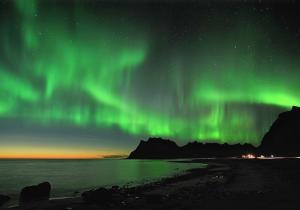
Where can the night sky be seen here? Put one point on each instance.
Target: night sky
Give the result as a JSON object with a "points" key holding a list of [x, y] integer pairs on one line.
{"points": [[90, 78]]}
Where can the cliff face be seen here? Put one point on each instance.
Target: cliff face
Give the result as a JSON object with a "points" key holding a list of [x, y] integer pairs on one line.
{"points": [[283, 138]]}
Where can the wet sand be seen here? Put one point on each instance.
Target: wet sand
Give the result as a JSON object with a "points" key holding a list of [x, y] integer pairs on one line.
{"points": [[225, 184]]}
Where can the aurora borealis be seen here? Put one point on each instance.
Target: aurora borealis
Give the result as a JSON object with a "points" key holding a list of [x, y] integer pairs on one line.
{"points": [[100, 75]]}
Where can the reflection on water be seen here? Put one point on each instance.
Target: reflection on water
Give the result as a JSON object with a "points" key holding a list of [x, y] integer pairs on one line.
{"points": [[67, 176]]}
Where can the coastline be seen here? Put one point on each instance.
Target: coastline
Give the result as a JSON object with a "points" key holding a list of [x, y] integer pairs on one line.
{"points": [[224, 184], [71, 177]]}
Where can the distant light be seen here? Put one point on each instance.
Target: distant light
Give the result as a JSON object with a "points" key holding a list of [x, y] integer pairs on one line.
{"points": [[248, 156]]}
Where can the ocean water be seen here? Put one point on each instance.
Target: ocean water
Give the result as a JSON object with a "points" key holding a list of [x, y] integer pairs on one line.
{"points": [[68, 176]]}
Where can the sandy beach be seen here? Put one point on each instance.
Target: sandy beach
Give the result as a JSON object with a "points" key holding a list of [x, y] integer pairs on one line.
{"points": [[225, 184]]}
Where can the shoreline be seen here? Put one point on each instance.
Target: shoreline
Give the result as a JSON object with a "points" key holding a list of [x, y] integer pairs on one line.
{"points": [[225, 183], [95, 175], [58, 200], [76, 192]]}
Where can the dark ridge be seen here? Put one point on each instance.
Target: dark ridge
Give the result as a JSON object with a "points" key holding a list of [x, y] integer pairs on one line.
{"points": [[281, 140], [158, 148]]}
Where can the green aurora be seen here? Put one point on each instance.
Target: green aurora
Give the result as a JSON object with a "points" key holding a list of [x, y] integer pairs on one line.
{"points": [[219, 81]]}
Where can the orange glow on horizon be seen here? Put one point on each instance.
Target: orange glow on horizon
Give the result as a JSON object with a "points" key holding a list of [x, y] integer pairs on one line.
{"points": [[55, 153], [49, 156]]}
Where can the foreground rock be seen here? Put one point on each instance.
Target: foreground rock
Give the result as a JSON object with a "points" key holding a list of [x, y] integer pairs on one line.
{"points": [[104, 196], [35, 193], [284, 135], [4, 199]]}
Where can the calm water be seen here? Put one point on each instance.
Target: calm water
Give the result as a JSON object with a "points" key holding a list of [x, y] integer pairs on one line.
{"points": [[67, 176]]}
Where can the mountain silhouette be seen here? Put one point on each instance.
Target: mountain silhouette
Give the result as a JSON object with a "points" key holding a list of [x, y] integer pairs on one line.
{"points": [[156, 148], [281, 140], [159, 148]]}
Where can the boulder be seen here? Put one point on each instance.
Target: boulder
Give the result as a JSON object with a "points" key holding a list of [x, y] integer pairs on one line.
{"points": [[3, 199], [35, 192]]}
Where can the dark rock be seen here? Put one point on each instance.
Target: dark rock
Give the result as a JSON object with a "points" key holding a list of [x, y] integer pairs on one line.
{"points": [[76, 193], [115, 188], [35, 192], [99, 196], [4, 199], [283, 138]]}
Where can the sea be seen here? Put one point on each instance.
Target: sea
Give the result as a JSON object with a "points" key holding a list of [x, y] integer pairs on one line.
{"points": [[70, 176]]}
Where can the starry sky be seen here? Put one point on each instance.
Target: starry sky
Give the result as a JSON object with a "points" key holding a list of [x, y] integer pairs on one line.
{"points": [[90, 78]]}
